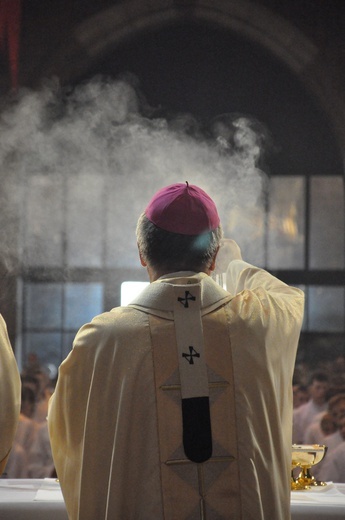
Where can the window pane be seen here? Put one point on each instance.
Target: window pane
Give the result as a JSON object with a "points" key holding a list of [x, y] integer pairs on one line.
{"points": [[326, 223], [246, 225], [46, 346], [125, 203], [85, 221], [43, 305], [325, 307], [83, 301], [43, 221], [286, 223]]}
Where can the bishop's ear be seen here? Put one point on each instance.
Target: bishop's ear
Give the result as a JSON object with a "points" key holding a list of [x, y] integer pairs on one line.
{"points": [[214, 261], [142, 261]]}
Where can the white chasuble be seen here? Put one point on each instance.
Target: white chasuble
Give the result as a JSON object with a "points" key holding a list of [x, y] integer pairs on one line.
{"points": [[179, 406]]}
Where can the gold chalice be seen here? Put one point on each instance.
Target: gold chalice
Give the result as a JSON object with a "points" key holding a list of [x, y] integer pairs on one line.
{"points": [[305, 456], [295, 485]]}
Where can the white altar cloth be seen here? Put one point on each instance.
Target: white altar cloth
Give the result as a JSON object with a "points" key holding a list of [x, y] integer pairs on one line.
{"points": [[320, 503], [41, 499]]}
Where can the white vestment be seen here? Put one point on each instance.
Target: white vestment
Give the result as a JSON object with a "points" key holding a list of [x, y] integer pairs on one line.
{"points": [[115, 418], [334, 464], [10, 390], [332, 441], [303, 417]]}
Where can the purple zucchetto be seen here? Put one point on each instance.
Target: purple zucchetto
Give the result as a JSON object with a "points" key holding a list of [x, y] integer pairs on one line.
{"points": [[183, 208]]}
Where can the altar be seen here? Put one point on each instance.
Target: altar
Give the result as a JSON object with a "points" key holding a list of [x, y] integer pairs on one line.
{"points": [[41, 499]]}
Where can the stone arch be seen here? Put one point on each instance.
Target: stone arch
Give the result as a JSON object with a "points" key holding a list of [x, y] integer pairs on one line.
{"points": [[91, 39]]}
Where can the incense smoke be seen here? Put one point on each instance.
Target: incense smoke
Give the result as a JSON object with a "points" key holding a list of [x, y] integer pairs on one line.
{"points": [[77, 167]]}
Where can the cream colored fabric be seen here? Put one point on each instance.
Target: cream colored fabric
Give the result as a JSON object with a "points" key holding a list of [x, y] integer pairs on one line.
{"points": [[190, 341], [10, 388], [115, 418]]}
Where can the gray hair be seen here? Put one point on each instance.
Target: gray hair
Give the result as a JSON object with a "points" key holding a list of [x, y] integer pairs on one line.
{"points": [[173, 252]]}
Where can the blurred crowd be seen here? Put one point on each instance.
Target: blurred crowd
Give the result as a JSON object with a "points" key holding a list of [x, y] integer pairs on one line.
{"points": [[318, 418], [319, 415], [31, 453]]}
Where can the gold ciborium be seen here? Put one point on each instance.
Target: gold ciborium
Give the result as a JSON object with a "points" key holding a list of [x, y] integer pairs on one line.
{"points": [[305, 456]]}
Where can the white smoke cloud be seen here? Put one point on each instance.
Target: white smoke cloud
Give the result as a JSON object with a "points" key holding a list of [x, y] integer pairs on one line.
{"points": [[107, 159]]}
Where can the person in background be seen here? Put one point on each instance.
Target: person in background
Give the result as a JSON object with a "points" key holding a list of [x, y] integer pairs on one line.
{"points": [[316, 431], [300, 395], [10, 388], [40, 464], [325, 423], [17, 466], [307, 413], [328, 426], [337, 407], [334, 462], [41, 408], [28, 402], [179, 405], [323, 426], [31, 453]]}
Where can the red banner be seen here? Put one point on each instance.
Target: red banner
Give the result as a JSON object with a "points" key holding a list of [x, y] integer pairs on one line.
{"points": [[10, 20]]}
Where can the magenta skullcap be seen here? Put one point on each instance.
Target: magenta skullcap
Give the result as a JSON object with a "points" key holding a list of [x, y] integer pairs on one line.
{"points": [[184, 209]]}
